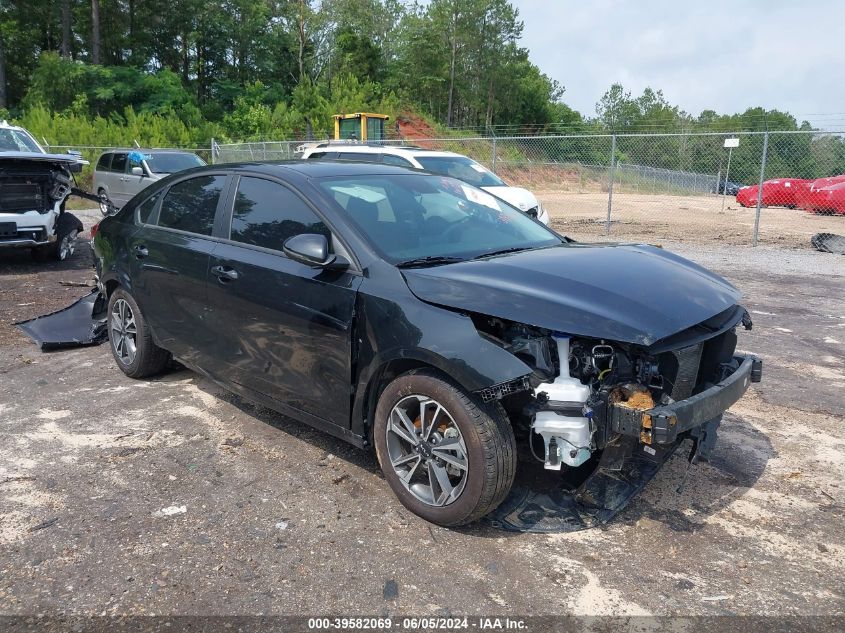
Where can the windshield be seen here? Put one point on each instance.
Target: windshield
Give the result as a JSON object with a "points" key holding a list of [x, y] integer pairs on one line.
{"points": [[17, 141], [409, 217], [171, 162], [462, 168]]}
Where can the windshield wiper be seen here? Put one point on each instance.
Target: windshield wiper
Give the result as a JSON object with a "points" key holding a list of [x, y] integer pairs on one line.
{"points": [[431, 260], [504, 251]]}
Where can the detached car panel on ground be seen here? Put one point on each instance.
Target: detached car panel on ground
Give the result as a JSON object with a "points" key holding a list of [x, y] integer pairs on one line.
{"points": [[422, 316]]}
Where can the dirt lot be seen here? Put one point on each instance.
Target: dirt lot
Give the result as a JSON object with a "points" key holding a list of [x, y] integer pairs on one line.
{"points": [[690, 219], [169, 496]]}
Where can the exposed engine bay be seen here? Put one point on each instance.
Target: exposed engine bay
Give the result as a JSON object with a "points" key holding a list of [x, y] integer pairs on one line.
{"points": [[591, 404], [33, 186]]}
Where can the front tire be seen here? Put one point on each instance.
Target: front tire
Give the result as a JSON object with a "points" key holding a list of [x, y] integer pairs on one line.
{"points": [[105, 203], [449, 457], [130, 339]]}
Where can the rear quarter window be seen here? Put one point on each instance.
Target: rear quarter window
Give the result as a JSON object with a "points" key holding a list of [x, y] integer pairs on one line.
{"points": [[390, 159], [190, 205], [362, 157], [104, 163], [146, 208]]}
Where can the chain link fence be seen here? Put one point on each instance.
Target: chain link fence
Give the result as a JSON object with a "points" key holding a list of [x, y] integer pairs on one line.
{"points": [[700, 188], [703, 188]]}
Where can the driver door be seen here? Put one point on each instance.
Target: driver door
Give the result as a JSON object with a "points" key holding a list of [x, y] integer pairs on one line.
{"points": [[281, 328]]}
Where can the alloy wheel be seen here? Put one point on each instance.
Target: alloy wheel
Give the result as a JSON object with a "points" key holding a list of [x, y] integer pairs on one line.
{"points": [[426, 450], [67, 245], [123, 331]]}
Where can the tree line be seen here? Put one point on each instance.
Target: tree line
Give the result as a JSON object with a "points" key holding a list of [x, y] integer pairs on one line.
{"points": [[178, 72], [458, 61]]}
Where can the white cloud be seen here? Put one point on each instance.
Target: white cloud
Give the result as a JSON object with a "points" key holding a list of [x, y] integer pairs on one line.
{"points": [[722, 55]]}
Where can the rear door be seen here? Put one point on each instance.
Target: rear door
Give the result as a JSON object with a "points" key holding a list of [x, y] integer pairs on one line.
{"points": [[281, 328], [170, 260], [117, 179]]}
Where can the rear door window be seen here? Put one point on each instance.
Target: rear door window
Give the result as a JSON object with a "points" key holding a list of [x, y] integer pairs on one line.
{"points": [[118, 163], [190, 205], [266, 214]]}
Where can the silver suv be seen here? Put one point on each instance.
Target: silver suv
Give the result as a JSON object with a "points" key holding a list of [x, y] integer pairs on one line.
{"points": [[444, 163], [121, 173]]}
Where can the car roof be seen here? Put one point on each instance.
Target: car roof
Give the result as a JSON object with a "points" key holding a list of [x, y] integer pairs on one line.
{"points": [[4, 124], [168, 150], [315, 169], [384, 149]]}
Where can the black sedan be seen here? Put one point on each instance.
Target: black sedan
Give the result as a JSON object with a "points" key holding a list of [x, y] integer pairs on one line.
{"points": [[422, 316], [727, 187]]}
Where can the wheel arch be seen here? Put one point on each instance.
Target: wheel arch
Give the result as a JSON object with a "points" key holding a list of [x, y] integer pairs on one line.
{"points": [[389, 367]]}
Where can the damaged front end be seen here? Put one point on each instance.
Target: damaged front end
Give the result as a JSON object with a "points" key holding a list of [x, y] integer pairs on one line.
{"points": [[608, 414]]}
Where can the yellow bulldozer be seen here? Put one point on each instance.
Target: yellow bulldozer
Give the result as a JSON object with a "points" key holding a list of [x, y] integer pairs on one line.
{"points": [[360, 126]]}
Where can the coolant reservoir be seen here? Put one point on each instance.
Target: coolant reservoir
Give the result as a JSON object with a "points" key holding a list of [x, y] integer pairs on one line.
{"points": [[565, 430]]}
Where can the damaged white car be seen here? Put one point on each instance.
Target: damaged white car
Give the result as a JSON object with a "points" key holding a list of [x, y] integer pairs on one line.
{"points": [[34, 187]]}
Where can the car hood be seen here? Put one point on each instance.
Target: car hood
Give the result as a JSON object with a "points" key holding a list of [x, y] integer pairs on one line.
{"points": [[627, 293], [41, 158], [521, 198]]}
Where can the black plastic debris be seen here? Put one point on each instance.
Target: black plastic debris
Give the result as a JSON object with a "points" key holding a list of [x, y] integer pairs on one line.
{"points": [[81, 323], [829, 243], [596, 501]]}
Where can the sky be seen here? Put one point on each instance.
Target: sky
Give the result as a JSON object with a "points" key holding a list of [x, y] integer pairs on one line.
{"points": [[720, 55]]}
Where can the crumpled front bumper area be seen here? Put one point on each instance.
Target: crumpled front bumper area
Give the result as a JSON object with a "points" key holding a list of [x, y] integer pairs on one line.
{"points": [[663, 424], [642, 442]]}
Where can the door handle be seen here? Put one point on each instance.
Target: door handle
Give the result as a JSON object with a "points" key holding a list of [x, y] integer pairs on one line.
{"points": [[224, 274], [140, 251]]}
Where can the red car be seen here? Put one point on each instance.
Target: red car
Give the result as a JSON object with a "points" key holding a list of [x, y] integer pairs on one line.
{"points": [[816, 198], [829, 199], [779, 192]]}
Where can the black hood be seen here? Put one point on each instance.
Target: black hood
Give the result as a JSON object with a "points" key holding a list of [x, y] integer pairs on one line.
{"points": [[632, 294]]}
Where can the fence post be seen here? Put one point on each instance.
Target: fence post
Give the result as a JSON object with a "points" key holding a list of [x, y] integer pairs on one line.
{"points": [[760, 187], [493, 166], [212, 150], [610, 187]]}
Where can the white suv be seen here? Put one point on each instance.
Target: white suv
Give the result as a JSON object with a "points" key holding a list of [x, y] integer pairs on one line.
{"points": [[34, 186], [444, 163]]}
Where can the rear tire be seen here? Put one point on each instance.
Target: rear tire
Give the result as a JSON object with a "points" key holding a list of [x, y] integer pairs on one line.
{"points": [[130, 339], [447, 486]]}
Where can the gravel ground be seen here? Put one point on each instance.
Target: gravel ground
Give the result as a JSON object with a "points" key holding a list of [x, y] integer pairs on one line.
{"points": [[170, 496], [688, 219]]}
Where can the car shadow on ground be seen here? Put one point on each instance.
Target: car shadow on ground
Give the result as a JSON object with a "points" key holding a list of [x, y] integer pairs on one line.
{"points": [[710, 487], [327, 443], [737, 463]]}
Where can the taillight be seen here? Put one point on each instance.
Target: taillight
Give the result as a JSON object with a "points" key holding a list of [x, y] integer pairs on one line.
{"points": [[94, 230]]}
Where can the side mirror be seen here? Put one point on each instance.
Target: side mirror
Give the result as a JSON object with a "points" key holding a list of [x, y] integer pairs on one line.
{"points": [[312, 249], [138, 171]]}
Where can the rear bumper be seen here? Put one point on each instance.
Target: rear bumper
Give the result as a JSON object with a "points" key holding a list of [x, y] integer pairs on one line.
{"points": [[663, 424]]}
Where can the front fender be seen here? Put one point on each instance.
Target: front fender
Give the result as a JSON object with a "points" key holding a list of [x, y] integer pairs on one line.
{"points": [[409, 330]]}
